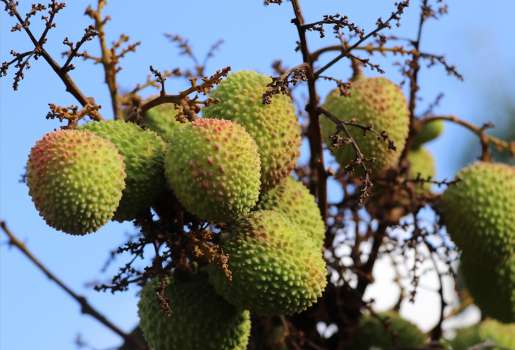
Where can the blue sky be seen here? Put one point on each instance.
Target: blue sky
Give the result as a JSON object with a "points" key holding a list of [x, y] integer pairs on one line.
{"points": [[478, 38]]}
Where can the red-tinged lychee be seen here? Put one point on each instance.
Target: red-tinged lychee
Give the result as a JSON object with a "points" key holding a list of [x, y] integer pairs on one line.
{"points": [[213, 167], [374, 102], [143, 153], [273, 126], [75, 179]]}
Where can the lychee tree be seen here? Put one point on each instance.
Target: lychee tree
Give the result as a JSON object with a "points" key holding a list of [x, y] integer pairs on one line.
{"points": [[246, 246]]}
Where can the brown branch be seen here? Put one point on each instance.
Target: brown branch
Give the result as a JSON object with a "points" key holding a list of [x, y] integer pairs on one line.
{"points": [[436, 332], [206, 85], [71, 87], [318, 187], [86, 308], [369, 48], [365, 278], [73, 52], [415, 66], [342, 125], [379, 27], [484, 138], [108, 58], [413, 72]]}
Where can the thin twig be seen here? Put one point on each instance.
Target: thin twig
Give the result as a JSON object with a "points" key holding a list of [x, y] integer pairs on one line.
{"points": [[71, 87], [366, 278], [379, 27], [484, 138], [86, 308], [436, 332]]}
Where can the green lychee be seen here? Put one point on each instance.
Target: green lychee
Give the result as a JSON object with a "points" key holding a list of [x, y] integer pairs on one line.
{"points": [[162, 120], [428, 132], [388, 332], [491, 284], [293, 199], [198, 319], [421, 165], [274, 126], [213, 168], [479, 210], [75, 179], [143, 153], [275, 268], [490, 333], [375, 102]]}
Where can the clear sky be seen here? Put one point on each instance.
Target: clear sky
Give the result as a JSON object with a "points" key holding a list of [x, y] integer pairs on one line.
{"points": [[35, 314]]}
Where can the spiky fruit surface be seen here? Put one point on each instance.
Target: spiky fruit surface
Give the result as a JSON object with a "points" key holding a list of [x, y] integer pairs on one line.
{"points": [[376, 102], [429, 132], [199, 319], [491, 285], [75, 179], [479, 210], [422, 165], [143, 153], [498, 335], [274, 126], [162, 120], [275, 268], [394, 333], [293, 199], [213, 167]]}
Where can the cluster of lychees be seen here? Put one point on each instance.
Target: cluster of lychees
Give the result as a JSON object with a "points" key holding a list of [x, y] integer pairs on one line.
{"points": [[479, 211], [232, 166]]}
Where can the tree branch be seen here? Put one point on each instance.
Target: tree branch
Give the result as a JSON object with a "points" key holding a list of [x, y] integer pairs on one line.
{"points": [[86, 308], [379, 27], [318, 187], [108, 58], [485, 139], [71, 87]]}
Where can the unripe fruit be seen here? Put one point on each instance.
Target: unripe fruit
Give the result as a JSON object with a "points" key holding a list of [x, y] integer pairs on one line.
{"points": [[199, 318], [162, 120], [491, 284], [497, 335], [75, 179], [375, 102], [275, 268], [143, 153], [293, 199], [429, 132], [213, 168], [389, 333], [422, 166], [274, 126], [479, 211]]}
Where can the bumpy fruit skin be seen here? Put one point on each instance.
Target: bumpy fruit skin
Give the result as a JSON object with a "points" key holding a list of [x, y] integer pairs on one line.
{"points": [[162, 120], [143, 153], [376, 102], [275, 268], [199, 319], [429, 132], [75, 179], [498, 335], [213, 167], [274, 126], [293, 199], [491, 285], [422, 164], [479, 210], [400, 334]]}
